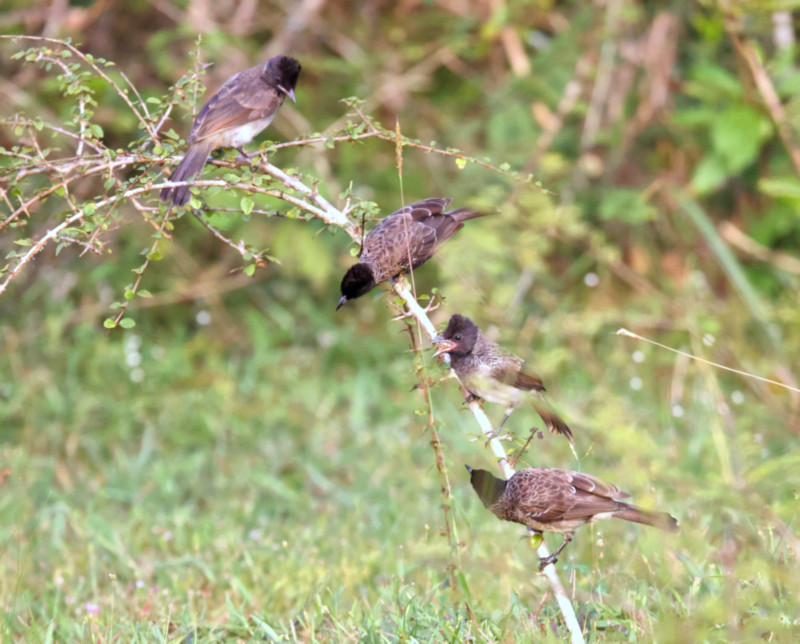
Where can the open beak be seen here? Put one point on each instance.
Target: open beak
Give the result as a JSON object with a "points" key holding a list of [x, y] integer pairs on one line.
{"points": [[342, 300], [289, 93], [444, 346]]}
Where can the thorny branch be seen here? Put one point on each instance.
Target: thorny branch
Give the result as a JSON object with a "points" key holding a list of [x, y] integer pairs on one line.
{"points": [[318, 206], [288, 187]]}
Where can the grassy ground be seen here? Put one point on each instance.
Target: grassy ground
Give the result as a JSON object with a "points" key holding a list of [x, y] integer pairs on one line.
{"points": [[163, 484]]}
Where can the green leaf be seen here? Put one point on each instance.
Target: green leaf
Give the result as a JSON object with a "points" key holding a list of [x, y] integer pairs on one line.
{"points": [[129, 294], [127, 323], [249, 270], [788, 187], [246, 204], [109, 323], [710, 80], [461, 163], [708, 175], [96, 130], [737, 134], [627, 206]]}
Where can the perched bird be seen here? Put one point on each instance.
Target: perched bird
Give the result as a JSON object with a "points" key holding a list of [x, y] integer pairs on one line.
{"points": [[490, 373], [244, 105], [551, 500], [406, 239]]}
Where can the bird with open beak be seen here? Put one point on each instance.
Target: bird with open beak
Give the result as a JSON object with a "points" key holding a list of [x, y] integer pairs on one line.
{"points": [[491, 374]]}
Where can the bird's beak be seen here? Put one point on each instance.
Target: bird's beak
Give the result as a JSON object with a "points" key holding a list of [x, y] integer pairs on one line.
{"points": [[342, 300], [288, 92], [445, 346], [469, 469]]}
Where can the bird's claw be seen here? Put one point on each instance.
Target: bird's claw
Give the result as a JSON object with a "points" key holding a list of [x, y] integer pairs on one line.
{"points": [[546, 561]]}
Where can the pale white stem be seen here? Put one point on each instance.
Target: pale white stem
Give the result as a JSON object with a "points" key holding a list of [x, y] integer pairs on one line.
{"points": [[37, 247], [420, 315], [331, 215]]}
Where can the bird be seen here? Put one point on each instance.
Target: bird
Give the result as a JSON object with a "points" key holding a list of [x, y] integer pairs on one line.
{"points": [[404, 240], [489, 373], [546, 499], [244, 105]]}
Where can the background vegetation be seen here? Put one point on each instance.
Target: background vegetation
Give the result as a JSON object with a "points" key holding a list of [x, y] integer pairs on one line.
{"points": [[246, 463]]}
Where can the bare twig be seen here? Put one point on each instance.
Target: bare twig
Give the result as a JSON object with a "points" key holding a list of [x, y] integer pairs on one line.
{"points": [[37, 247], [735, 237], [631, 334], [239, 248], [441, 464]]}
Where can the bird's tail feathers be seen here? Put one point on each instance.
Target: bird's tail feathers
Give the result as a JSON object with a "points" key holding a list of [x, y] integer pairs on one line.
{"points": [[464, 214], [660, 520], [193, 161], [553, 421]]}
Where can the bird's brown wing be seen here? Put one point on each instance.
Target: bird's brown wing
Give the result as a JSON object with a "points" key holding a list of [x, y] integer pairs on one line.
{"points": [[545, 496], [432, 227], [430, 214], [410, 236], [593, 485], [508, 370], [524, 380], [396, 243], [426, 208], [553, 495], [243, 98]]}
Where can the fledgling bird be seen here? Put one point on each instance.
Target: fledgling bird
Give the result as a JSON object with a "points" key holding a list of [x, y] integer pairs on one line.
{"points": [[490, 373], [404, 240], [244, 105], [552, 500]]}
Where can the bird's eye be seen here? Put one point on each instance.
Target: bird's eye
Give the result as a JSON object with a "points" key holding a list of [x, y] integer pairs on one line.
{"points": [[457, 337]]}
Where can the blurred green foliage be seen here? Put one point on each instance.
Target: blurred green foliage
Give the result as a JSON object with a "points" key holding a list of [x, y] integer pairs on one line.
{"points": [[247, 464]]}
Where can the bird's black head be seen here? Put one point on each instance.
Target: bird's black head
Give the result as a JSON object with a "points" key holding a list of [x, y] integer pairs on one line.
{"points": [[357, 281], [488, 487], [282, 72], [458, 338]]}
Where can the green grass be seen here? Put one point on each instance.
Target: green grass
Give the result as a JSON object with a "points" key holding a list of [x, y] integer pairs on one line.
{"points": [[281, 487]]}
